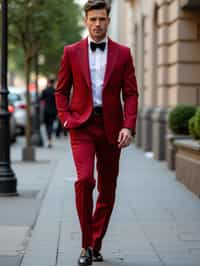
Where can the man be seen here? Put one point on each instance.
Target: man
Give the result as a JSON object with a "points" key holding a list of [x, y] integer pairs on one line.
{"points": [[50, 112], [99, 70]]}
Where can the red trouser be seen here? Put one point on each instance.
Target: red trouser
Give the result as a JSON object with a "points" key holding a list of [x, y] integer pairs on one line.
{"points": [[86, 142]]}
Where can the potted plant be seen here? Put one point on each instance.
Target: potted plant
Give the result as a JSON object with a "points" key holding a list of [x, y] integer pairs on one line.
{"points": [[197, 123], [178, 119], [188, 156]]}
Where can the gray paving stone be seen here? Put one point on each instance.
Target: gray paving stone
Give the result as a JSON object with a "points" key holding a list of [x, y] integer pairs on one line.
{"points": [[12, 239], [14, 210], [189, 236], [10, 260]]}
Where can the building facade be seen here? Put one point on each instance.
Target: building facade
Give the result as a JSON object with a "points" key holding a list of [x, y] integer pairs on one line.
{"points": [[165, 39]]}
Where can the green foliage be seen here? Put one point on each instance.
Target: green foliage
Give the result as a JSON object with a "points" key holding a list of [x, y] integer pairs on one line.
{"points": [[179, 117], [42, 27], [197, 122], [191, 127], [15, 59], [67, 30]]}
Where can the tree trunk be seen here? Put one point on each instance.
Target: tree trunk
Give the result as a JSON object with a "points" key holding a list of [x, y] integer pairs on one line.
{"points": [[28, 152], [37, 137], [28, 102], [36, 77]]}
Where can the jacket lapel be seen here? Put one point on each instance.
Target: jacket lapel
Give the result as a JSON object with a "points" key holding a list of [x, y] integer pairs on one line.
{"points": [[84, 63], [111, 60]]}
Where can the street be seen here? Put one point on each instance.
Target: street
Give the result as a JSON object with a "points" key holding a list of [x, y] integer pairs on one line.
{"points": [[155, 221]]}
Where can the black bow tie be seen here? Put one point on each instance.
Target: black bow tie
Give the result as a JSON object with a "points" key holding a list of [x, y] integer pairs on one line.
{"points": [[94, 46]]}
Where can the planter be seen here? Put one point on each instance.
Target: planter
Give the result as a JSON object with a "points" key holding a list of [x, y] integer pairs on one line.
{"points": [[171, 148], [188, 164]]}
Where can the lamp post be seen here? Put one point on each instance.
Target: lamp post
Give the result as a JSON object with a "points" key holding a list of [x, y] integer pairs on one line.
{"points": [[8, 181]]}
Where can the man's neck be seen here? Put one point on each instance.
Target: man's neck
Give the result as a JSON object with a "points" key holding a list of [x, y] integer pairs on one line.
{"points": [[104, 39]]}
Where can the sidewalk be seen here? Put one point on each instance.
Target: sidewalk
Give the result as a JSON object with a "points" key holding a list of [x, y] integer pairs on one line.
{"points": [[155, 222], [19, 214]]}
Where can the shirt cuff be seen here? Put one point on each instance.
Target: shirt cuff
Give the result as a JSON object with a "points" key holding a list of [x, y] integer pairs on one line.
{"points": [[65, 123], [132, 131]]}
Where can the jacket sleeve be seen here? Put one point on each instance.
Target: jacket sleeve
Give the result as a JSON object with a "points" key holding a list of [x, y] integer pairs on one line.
{"points": [[130, 95], [63, 88]]}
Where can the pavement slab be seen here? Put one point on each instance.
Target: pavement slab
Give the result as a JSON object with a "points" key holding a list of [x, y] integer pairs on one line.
{"points": [[13, 239], [10, 260]]}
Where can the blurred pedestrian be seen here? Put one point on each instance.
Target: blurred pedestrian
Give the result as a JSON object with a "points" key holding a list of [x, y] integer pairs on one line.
{"points": [[50, 112], [59, 129], [99, 70]]}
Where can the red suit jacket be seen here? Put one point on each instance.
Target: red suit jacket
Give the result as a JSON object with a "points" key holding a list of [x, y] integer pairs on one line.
{"points": [[74, 90]]}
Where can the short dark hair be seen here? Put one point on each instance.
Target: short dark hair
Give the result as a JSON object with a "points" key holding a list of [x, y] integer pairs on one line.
{"points": [[51, 81], [97, 4]]}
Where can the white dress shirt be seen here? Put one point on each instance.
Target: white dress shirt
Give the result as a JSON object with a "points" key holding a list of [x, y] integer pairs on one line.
{"points": [[97, 66]]}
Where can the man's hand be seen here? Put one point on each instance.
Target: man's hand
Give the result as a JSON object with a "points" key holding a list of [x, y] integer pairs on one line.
{"points": [[124, 138]]}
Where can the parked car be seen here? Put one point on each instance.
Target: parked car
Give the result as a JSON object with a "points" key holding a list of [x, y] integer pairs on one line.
{"points": [[17, 96], [12, 123], [13, 128]]}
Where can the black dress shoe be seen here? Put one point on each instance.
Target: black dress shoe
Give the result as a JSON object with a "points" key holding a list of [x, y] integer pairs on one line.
{"points": [[97, 256], [85, 258]]}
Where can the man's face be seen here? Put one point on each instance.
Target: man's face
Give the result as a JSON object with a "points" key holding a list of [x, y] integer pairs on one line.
{"points": [[97, 22]]}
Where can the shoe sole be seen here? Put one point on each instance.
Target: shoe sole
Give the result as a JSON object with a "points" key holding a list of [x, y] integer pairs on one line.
{"points": [[96, 260], [85, 264]]}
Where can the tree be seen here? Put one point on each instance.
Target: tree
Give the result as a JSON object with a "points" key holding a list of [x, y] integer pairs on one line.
{"points": [[65, 29], [61, 26], [37, 26]]}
